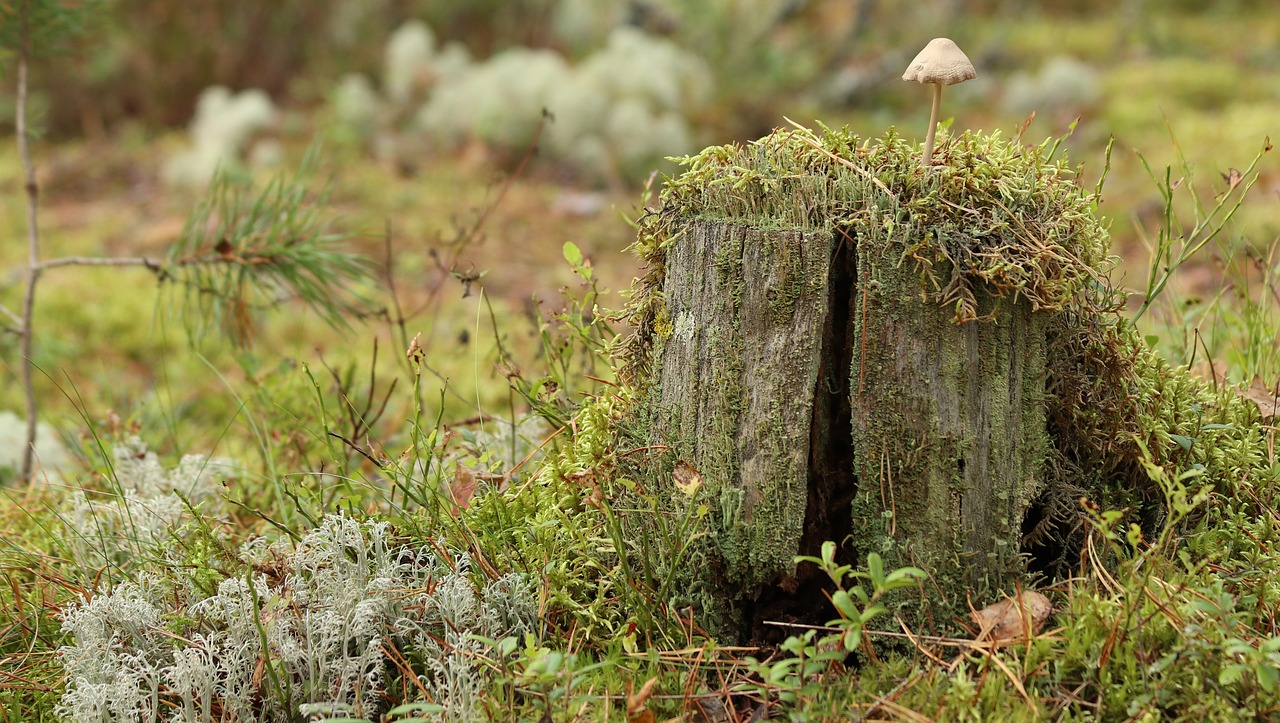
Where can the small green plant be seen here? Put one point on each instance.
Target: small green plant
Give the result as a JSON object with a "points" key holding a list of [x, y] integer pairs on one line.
{"points": [[800, 676], [853, 619], [1174, 243]]}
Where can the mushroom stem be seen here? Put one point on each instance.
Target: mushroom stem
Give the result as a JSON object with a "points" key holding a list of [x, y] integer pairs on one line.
{"points": [[933, 123]]}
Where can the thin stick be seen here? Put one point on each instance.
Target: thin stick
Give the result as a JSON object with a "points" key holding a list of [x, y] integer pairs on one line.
{"points": [[152, 264], [14, 318], [33, 251]]}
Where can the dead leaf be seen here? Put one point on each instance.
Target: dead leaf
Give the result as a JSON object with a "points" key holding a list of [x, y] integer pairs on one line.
{"points": [[637, 708], [1211, 370], [1014, 617], [415, 353], [1266, 398], [707, 708], [687, 478], [507, 368], [463, 487], [1233, 178]]}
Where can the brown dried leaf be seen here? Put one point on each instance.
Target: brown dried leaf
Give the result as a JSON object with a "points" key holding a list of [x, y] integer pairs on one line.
{"points": [[1233, 177], [637, 709], [1014, 617], [1266, 398], [507, 368], [707, 708], [415, 353], [463, 487], [1210, 370], [687, 478]]}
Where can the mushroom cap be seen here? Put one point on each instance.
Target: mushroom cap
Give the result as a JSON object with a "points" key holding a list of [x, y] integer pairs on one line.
{"points": [[941, 62]]}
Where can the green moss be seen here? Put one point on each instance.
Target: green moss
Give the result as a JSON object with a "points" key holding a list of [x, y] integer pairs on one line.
{"points": [[994, 212]]}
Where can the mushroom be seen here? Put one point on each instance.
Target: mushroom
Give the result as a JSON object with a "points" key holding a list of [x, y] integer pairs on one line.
{"points": [[942, 62]]}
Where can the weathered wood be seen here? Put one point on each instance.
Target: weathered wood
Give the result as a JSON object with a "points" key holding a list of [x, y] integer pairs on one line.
{"points": [[948, 427], [821, 396], [736, 377]]}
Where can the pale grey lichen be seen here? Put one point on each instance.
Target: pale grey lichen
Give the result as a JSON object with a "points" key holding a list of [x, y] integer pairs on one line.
{"points": [[145, 507], [221, 133], [52, 457], [315, 633]]}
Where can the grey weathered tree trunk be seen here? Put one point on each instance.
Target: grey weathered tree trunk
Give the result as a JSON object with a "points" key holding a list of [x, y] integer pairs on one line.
{"points": [[949, 424], [850, 345], [735, 385], [822, 397]]}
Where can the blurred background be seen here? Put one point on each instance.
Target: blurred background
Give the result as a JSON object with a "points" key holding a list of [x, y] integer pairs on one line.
{"points": [[629, 82], [427, 109]]}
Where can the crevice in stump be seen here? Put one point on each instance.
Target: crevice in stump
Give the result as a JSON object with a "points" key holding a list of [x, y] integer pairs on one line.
{"points": [[832, 482], [1046, 547]]}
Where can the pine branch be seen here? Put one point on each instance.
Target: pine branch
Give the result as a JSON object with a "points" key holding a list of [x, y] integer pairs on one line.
{"points": [[242, 252]]}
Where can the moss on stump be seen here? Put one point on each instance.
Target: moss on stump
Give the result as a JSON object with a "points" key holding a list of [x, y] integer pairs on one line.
{"points": [[850, 346]]}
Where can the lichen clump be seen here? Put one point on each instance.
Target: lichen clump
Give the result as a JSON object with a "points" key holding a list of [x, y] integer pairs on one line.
{"points": [[320, 623], [996, 213]]}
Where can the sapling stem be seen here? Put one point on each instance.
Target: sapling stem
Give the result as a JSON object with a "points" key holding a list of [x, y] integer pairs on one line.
{"points": [[26, 360]]}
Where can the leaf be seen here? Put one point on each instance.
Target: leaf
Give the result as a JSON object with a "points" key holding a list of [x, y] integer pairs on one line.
{"points": [[581, 264], [1014, 617], [872, 611], [844, 605], [1267, 399], [1233, 177], [572, 254], [1268, 677], [852, 638], [463, 487], [1183, 441], [861, 594], [637, 708], [875, 566], [828, 553], [687, 478], [904, 577], [1231, 674], [415, 707]]}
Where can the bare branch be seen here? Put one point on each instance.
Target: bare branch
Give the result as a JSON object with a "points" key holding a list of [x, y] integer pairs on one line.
{"points": [[14, 318], [151, 264]]}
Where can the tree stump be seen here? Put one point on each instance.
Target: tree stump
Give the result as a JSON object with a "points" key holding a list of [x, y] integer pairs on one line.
{"points": [[850, 347]]}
